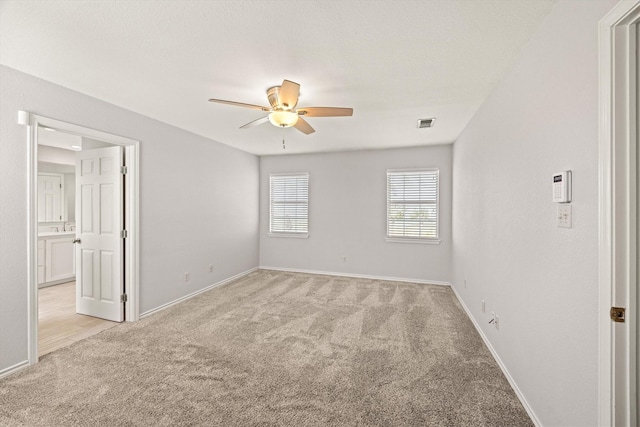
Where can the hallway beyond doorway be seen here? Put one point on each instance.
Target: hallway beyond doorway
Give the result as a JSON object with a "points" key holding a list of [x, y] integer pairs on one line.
{"points": [[58, 323]]}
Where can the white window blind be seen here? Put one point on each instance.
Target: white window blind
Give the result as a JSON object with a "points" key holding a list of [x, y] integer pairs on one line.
{"points": [[412, 204], [289, 203]]}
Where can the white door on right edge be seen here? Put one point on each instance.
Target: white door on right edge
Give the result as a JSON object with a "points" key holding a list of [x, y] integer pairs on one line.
{"points": [[637, 307], [99, 221]]}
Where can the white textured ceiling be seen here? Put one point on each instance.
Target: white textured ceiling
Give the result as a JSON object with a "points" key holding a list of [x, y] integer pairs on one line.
{"points": [[392, 61], [59, 139]]}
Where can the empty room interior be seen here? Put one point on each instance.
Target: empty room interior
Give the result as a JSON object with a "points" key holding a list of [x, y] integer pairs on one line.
{"points": [[312, 213]]}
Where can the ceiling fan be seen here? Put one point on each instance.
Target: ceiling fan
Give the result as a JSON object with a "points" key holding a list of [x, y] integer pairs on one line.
{"points": [[283, 113]]}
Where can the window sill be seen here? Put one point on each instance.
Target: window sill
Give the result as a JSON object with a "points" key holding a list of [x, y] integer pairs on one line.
{"points": [[292, 235], [408, 240]]}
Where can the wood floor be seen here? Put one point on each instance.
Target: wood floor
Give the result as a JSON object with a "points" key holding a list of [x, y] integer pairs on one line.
{"points": [[58, 323]]}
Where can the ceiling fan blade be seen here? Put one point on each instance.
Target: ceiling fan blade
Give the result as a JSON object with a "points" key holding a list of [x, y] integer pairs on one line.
{"points": [[303, 126], [256, 122], [240, 104], [325, 111], [288, 94]]}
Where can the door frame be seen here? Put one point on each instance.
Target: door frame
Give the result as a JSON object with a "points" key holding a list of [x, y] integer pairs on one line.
{"points": [[618, 133], [131, 212]]}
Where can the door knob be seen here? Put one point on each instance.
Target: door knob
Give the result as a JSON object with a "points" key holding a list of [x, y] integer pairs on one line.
{"points": [[76, 241]]}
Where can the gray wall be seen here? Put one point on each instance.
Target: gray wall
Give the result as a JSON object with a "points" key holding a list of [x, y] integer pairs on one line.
{"points": [[347, 215], [188, 216], [541, 280]]}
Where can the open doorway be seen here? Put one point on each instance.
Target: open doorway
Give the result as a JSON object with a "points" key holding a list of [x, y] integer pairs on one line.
{"points": [[58, 323], [62, 319], [83, 232], [619, 234]]}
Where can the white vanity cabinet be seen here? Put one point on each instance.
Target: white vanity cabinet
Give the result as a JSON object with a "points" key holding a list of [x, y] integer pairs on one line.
{"points": [[56, 259]]}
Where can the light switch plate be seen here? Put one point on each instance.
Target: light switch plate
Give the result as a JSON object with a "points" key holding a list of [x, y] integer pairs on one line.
{"points": [[564, 216]]}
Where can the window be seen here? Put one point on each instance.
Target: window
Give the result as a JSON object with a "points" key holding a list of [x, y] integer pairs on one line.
{"points": [[412, 205], [289, 204]]}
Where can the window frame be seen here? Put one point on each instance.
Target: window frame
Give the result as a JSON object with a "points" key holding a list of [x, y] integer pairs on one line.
{"points": [[290, 234], [414, 239]]}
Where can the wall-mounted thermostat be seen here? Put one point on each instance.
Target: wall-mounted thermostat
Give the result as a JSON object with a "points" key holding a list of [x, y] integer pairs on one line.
{"points": [[562, 187]]}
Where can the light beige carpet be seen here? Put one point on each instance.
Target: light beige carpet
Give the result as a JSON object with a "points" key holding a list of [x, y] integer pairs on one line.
{"points": [[276, 348]]}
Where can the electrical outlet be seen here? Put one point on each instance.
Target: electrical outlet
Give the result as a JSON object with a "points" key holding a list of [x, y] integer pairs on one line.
{"points": [[187, 276], [483, 306], [210, 268]]}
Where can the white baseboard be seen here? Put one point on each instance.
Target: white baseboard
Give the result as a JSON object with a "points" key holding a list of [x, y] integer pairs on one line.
{"points": [[56, 282], [502, 366], [193, 294], [359, 276], [13, 369]]}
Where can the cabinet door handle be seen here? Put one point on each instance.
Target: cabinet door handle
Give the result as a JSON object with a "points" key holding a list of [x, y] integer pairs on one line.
{"points": [[76, 241]]}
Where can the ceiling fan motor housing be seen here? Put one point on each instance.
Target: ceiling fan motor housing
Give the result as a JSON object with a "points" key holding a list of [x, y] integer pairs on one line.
{"points": [[273, 94]]}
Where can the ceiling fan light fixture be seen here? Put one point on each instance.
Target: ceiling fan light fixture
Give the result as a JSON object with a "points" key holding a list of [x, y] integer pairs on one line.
{"points": [[283, 119]]}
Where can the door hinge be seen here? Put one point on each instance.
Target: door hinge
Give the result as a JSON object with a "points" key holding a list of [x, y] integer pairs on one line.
{"points": [[60, 185], [617, 314], [123, 298], [123, 234], [123, 170]]}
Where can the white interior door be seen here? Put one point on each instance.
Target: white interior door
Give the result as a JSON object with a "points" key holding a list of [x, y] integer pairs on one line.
{"points": [[49, 197], [637, 300], [99, 222]]}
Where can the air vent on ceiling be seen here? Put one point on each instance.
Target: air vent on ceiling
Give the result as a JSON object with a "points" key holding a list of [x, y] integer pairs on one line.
{"points": [[426, 123]]}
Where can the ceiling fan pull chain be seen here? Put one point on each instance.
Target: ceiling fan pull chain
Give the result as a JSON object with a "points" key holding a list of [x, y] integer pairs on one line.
{"points": [[283, 146]]}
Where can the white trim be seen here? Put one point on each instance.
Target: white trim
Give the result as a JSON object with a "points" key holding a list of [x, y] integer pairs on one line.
{"points": [[32, 238], [292, 235], [132, 181], [290, 174], [198, 292], [403, 171], [55, 282], [280, 233], [419, 240], [609, 89], [501, 364], [359, 276], [132, 282], [409, 239], [13, 369]]}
